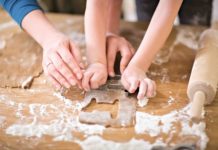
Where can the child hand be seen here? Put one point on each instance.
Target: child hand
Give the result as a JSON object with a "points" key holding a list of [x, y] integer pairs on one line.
{"points": [[62, 62], [115, 44], [94, 76], [133, 77]]}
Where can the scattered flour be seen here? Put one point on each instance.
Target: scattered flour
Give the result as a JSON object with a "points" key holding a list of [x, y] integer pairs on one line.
{"points": [[187, 37], [60, 120], [6, 25], [171, 100], [97, 143], [2, 120], [155, 125]]}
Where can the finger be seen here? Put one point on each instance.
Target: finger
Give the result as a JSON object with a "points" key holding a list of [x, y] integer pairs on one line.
{"points": [[54, 82], [57, 76], [86, 81], [126, 57], [111, 56], [142, 90], [131, 48], [150, 87], [125, 83], [62, 68], [95, 81], [133, 85], [70, 60], [76, 53]]}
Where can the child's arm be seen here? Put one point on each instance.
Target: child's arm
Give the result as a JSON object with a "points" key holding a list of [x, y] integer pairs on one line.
{"points": [[95, 31], [116, 43], [157, 33], [61, 58]]}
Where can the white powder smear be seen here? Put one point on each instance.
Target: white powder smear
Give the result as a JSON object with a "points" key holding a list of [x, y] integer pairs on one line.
{"points": [[6, 25], [60, 120], [154, 125], [97, 143], [2, 120]]}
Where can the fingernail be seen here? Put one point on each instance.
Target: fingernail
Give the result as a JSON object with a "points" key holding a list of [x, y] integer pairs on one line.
{"points": [[112, 74], [82, 65], [132, 90]]}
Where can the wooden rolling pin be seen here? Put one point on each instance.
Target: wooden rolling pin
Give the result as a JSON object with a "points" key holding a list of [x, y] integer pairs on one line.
{"points": [[203, 81]]}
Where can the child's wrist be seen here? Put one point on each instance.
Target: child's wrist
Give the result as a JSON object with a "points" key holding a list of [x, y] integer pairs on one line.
{"points": [[138, 64], [97, 62]]}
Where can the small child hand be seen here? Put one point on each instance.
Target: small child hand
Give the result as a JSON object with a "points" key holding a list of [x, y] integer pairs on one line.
{"points": [[133, 78], [94, 76], [115, 44]]}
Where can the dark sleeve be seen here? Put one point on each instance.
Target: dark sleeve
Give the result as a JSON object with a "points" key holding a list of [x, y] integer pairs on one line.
{"points": [[18, 9]]}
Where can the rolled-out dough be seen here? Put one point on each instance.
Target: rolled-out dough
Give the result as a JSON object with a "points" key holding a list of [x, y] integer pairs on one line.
{"points": [[20, 61]]}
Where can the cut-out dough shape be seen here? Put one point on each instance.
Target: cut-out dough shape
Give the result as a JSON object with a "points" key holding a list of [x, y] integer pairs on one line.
{"points": [[108, 94]]}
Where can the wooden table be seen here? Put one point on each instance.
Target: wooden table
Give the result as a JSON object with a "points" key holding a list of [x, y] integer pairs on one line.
{"points": [[170, 71]]}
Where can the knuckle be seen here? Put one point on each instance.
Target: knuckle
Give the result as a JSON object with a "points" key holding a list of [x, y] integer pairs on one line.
{"points": [[68, 59], [51, 69], [128, 54], [60, 65], [110, 59]]}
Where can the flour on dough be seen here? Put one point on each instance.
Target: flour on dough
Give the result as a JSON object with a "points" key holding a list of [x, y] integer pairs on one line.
{"points": [[126, 110], [20, 62]]}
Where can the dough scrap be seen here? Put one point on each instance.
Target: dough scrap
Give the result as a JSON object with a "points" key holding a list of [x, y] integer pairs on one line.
{"points": [[96, 117]]}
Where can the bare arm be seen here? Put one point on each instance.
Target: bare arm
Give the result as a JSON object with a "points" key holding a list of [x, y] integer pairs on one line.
{"points": [[95, 30], [114, 12], [157, 33], [159, 29], [116, 43], [61, 59]]}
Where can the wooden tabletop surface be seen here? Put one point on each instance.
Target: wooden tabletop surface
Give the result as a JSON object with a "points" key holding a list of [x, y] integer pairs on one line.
{"points": [[170, 70]]}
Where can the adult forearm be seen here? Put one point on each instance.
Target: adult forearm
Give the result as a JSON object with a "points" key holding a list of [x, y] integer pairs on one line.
{"points": [[39, 27]]}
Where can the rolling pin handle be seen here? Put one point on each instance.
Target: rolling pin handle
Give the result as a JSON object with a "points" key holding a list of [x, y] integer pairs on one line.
{"points": [[197, 104]]}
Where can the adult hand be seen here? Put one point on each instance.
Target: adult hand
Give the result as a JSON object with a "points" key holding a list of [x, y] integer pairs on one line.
{"points": [[62, 61]]}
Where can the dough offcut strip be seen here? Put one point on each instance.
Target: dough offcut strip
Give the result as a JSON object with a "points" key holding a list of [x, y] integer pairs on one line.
{"points": [[203, 81]]}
